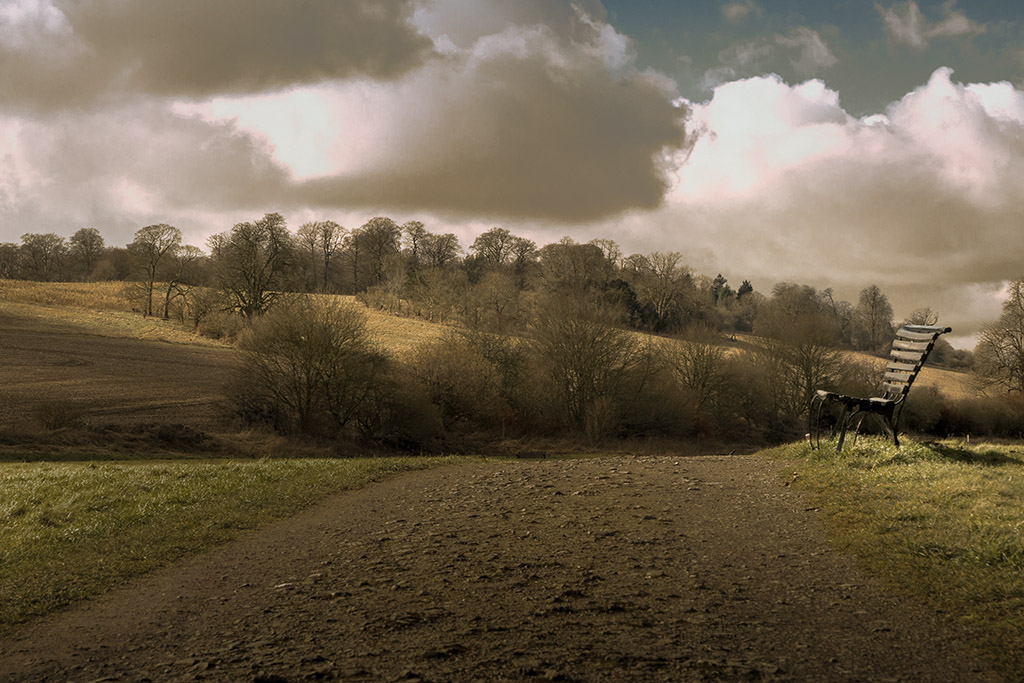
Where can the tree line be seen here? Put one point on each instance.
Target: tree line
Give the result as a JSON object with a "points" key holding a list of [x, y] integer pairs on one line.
{"points": [[406, 269]]}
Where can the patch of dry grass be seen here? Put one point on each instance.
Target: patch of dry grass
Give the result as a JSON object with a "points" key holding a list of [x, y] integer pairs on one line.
{"points": [[400, 335], [94, 308], [101, 296], [940, 521]]}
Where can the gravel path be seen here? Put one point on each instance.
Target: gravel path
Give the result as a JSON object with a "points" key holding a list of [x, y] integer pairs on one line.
{"points": [[649, 568]]}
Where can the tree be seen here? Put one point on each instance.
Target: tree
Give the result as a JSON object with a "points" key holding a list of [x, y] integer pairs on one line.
{"points": [[524, 254], [322, 240], [441, 250], [661, 281], [415, 237], [872, 320], [86, 247], [308, 366], [494, 247], [999, 354], [150, 250], [180, 273], [720, 289], [796, 351], [379, 239], [251, 263], [594, 368], [567, 266], [10, 261], [43, 255], [922, 316]]}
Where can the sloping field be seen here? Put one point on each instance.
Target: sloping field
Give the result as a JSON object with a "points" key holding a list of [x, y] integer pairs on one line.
{"points": [[72, 350], [74, 347], [55, 371]]}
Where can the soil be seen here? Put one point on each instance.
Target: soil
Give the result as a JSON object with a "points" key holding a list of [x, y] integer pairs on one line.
{"points": [[102, 380], [615, 568]]}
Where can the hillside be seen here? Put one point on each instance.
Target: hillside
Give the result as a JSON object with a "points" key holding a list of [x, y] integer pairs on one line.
{"points": [[73, 350]]}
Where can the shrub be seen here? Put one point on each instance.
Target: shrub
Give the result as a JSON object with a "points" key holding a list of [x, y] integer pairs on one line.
{"points": [[309, 366], [461, 382], [221, 325], [593, 369]]}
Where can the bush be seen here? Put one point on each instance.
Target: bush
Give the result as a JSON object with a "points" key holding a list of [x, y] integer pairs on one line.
{"points": [[463, 384], [309, 367], [221, 325]]}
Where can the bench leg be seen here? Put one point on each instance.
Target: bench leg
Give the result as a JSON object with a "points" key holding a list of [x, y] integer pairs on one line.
{"points": [[844, 422]]}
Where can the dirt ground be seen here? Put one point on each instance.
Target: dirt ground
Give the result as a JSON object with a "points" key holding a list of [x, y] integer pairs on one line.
{"points": [[616, 568], [107, 379]]}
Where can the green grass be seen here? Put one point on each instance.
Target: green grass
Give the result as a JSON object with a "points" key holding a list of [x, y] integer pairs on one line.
{"points": [[72, 530], [943, 522]]}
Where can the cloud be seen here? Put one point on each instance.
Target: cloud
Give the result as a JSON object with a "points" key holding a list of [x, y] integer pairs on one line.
{"points": [[783, 184], [813, 54], [734, 12], [525, 124], [802, 48], [56, 53], [905, 23], [118, 170]]}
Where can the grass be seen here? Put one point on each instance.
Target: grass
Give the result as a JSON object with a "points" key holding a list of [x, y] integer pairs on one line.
{"points": [[942, 521], [101, 296], [69, 530]]}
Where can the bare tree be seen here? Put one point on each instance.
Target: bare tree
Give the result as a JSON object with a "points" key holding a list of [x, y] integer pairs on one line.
{"points": [[999, 354], [151, 250], [306, 239], [441, 250], [698, 360], [494, 247], [379, 238], [590, 363], [10, 261], [86, 247], [567, 266], [663, 282], [415, 237], [43, 255], [321, 240], [180, 274], [251, 262], [309, 366], [872, 319]]}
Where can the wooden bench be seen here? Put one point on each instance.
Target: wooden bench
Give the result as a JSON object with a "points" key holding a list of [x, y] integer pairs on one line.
{"points": [[910, 349]]}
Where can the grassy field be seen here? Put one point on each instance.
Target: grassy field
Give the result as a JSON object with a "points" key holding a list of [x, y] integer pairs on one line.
{"points": [[71, 530], [943, 522]]}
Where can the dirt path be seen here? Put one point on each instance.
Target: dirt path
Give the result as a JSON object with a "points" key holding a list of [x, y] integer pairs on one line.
{"points": [[605, 569]]}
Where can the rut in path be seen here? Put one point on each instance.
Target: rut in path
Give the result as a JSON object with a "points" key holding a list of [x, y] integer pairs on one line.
{"points": [[624, 568]]}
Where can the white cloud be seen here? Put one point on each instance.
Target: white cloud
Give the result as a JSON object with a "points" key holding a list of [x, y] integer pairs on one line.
{"points": [[905, 23], [924, 200]]}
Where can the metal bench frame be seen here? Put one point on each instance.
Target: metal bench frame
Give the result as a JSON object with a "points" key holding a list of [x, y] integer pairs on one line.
{"points": [[910, 349]]}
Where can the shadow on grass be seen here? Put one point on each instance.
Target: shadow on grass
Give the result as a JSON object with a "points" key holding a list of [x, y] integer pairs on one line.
{"points": [[990, 457]]}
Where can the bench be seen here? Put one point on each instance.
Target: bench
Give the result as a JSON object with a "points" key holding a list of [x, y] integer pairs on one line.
{"points": [[909, 351]]}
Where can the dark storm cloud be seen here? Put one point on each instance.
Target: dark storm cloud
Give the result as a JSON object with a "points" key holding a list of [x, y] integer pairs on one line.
{"points": [[82, 51], [526, 126]]}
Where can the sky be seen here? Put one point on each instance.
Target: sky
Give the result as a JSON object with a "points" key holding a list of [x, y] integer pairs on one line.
{"points": [[834, 144]]}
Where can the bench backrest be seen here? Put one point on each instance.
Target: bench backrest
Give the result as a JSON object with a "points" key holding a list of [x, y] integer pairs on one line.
{"points": [[910, 349]]}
